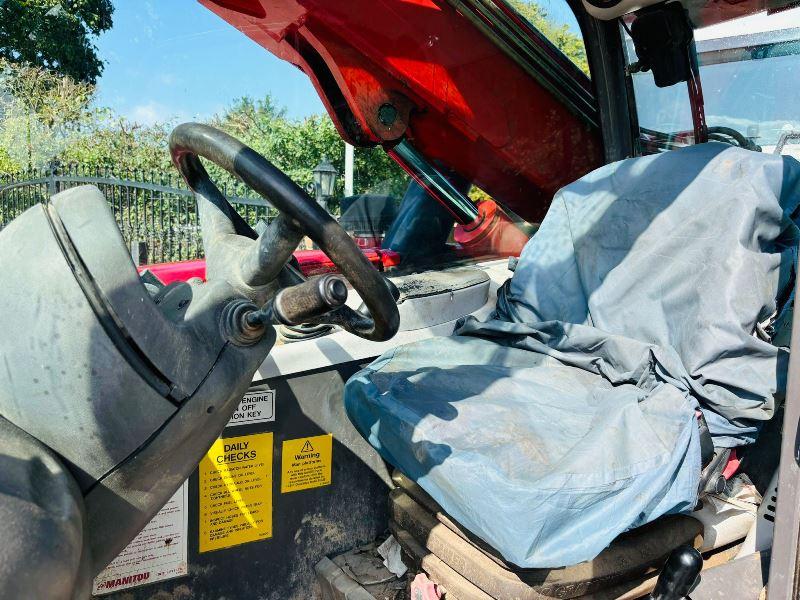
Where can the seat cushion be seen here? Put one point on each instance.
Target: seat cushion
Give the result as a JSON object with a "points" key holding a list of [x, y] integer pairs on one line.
{"points": [[568, 417], [545, 462]]}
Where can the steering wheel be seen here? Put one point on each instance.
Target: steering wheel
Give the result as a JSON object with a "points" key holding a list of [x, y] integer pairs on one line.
{"points": [[256, 265]]}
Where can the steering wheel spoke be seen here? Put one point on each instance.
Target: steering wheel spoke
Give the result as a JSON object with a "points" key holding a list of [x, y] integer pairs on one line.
{"points": [[272, 251]]}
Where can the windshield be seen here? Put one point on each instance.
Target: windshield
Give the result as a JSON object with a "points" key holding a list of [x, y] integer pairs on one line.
{"points": [[106, 122], [749, 70]]}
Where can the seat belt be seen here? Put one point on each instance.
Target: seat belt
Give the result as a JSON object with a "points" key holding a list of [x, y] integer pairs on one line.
{"points": [[712, 460], [706, 442]]}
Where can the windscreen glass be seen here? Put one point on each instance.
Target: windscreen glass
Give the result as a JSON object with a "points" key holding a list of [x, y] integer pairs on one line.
{"points": [[749, 71]]}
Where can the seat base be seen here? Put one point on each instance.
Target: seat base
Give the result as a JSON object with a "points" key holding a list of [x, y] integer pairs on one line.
{"points": [[468, 568]]}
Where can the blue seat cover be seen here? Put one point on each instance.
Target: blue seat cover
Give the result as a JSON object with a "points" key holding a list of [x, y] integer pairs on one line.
{"points": [[569, 416]]}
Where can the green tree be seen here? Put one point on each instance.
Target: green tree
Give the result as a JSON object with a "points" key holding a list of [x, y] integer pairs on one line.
{"points": [[125, 146], [570, 43], [7, 164], [294, 145], [55, 34], [297, 145], [41, 112]]}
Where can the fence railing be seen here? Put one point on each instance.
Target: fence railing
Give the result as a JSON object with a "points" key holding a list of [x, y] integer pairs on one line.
{"points": [[156, 213]]}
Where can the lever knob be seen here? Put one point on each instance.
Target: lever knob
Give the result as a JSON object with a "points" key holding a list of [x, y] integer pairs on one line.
{"points": [[304, 302], [679, 574]]}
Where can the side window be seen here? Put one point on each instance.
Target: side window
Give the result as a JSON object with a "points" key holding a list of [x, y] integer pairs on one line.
{"points": [[555, 20]]}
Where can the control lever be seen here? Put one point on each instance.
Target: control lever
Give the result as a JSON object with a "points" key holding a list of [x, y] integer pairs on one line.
{"points": [[679, 574], [302, 303]]}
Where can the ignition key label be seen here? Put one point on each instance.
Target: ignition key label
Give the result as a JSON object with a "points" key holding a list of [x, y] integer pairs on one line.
{"points": [[255, 407]]}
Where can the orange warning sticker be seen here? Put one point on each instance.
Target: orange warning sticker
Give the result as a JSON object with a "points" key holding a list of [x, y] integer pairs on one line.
{"points": [[236, 492], [306, 463]]}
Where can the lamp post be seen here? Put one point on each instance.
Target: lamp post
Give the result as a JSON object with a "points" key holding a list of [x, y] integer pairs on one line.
{"points": [[324, 181]]}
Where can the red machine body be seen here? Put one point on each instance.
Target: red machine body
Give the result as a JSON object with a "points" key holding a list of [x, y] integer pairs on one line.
{"points": [[442, 78]]}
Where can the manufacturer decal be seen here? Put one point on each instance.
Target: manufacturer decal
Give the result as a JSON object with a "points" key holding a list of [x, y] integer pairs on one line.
{"points": [[157, 553]]}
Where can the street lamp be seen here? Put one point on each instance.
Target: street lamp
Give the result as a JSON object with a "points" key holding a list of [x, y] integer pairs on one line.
{"points": [[324, 180]]}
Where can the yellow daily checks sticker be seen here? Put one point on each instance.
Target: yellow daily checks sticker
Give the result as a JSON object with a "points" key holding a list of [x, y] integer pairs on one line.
{"points": [[306, 463], [236, 492]]}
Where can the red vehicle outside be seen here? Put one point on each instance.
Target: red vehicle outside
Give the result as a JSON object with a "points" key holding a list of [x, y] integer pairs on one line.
{"points": [[312, 262], [491, 234]]}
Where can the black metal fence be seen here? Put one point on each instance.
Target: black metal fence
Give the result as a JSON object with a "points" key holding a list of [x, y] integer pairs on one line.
{"points": [[156, 213]]}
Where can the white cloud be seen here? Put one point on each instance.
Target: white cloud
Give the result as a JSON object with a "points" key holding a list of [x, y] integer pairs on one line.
{"points": [[150, 22], [149, 113], [152, 13], [152, 112]]}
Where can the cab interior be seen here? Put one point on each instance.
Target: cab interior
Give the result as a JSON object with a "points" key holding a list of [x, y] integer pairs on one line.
{"points": [[595, 311]]}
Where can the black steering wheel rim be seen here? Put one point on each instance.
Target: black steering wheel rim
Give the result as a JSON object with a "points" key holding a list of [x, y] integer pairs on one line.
{"points": [[718, 133], [299, 215]]}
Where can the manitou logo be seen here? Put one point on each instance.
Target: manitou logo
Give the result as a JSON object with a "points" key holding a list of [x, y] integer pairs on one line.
{"points": [[110, 584]]}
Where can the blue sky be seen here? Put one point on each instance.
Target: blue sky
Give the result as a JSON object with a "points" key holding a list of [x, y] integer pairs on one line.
{"points": [[174, 59]]}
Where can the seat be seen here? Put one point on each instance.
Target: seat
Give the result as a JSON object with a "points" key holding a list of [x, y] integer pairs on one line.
{"points": [[570, 417]]}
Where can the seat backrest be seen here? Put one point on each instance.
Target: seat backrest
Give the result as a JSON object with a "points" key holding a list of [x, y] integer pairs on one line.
{"points": [[690, 250]]}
